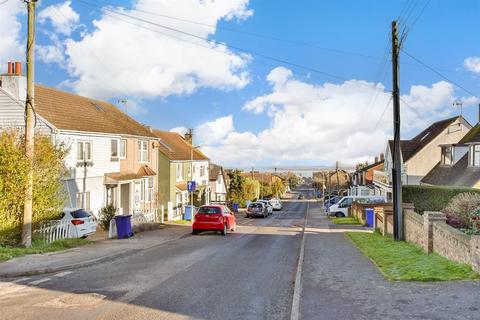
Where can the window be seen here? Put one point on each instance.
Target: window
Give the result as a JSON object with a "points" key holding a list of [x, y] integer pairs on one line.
{"points": [[447, 155], [194, 168], [202, 171], [142, 151], [80, 196], [123, 149], [84, 151], [179, 169], [475, 155], [114, 149], [142, 190], [150, 189]]}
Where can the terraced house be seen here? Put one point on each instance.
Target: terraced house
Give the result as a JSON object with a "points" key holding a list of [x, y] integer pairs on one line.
{"points": [[178, 162], [111, 158]]}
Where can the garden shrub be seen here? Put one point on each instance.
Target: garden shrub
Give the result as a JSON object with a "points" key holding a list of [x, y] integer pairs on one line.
{"points": [[431, 198], [461, 210], [106, 215], [48, 191]]}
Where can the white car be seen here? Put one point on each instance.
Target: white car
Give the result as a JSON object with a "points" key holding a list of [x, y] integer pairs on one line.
{"points": [[268, 205], [276, 204], [82, 222], [340, 209]]}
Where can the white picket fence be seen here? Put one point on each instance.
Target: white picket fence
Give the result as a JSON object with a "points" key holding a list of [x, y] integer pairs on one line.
{"points": [[55, 230]]}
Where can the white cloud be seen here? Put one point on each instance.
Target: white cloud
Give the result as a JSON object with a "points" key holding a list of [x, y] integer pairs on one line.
{"points": [[472, 64], [215, 131], [327, 122], [180, 130], [50, 54], [120, 58], [62, 17], [11, 44]]}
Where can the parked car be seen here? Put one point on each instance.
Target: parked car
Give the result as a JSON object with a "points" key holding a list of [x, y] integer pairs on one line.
{"points": [[214, 218], [276, 204], [301, 197], [268, 205], [340, 209], [257, 209], [83, 222]]}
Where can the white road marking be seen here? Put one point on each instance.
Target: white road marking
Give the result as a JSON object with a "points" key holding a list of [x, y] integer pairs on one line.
{"points": [[20, 280], [63, 274], [295, 313], [34, 283]]}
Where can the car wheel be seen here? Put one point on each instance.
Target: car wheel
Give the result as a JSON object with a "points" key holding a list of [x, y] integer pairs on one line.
{"points": [[84, 237], [247, 216], [194, 231], [234, 226], [339, 214], [224, 231]]}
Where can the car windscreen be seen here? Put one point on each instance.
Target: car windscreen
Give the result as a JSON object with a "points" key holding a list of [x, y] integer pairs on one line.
{"points": [[209, 210], [77, 214], [256, 205]]}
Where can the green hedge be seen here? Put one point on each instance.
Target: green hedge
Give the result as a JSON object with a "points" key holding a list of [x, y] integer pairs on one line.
{"points": [[431, 198]]}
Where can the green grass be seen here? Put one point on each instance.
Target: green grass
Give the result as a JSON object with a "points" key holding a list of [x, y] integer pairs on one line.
{"points": [[346, 220], [399, 260], [181, 222], [39, 246]]}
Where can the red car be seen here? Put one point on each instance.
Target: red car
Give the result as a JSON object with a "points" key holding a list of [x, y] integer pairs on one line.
{"points": [[214, 218]]}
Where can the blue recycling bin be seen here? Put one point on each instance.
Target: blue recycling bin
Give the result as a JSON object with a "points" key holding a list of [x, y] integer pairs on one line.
{"points": [[124, 226], [235, 207], [189, 210], [369, 214]]}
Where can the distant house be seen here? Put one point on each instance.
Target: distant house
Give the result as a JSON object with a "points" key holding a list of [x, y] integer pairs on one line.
{"points": [[218, 184], [362, 178], [178, 163], [459, 164], [332, 179], [420, 154], [110, 158]]}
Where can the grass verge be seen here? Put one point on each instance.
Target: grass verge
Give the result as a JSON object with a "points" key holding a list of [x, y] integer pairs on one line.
{"points": [[399, 260], [39, 246], [346, 220]]}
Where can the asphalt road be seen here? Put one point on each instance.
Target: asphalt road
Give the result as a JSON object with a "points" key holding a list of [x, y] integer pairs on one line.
{"points": [[249, 274]]}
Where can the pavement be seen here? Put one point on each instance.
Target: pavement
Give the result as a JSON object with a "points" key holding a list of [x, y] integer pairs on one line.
{"points": [[258, 272], [96, 252]]}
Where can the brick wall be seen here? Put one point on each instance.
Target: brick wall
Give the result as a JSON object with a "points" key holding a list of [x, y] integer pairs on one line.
{"points": [[413, 227], [451, 243]]}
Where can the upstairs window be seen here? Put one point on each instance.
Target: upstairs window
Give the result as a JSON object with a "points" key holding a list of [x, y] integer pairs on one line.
{"points": [[474, 155], [114, 149], [202, 171], [142, 151], [84, 151], [179, 171], [447, 155], [123, 149]]}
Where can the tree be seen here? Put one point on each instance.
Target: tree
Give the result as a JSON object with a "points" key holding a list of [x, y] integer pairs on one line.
{"points": [[251, 189], [293, 180], [235, 190], [48, 191], [278, 188]]}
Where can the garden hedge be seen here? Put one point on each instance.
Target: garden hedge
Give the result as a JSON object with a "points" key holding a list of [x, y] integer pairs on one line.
{"points": [[431, 198]]}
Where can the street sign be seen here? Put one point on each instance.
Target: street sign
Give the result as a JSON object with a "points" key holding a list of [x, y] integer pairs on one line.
{"points": [[191, 185]]}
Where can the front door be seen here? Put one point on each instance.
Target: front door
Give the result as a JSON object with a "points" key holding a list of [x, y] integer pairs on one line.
{"points": [[125, 198]]}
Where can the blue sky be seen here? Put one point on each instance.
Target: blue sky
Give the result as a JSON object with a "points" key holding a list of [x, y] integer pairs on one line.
{"points": [[444, 36]]}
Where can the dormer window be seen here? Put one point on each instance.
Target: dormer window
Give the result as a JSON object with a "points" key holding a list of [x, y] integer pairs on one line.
{"points": [[474, 155], [447, 155]]}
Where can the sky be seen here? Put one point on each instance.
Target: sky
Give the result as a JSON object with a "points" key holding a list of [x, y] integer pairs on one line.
{"points": [[261, 82]]}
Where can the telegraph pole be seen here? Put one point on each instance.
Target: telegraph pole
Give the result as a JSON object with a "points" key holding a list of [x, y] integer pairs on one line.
{"points": [[397, 162], [29, 127]]}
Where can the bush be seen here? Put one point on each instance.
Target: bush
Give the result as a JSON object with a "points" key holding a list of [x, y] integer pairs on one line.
{"points": [[431, 198], [106, 215], [48, 191], [461, 209]]}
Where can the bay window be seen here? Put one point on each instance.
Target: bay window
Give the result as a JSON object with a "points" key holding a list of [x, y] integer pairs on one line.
{"points": [[447, 155], [474, 155]]}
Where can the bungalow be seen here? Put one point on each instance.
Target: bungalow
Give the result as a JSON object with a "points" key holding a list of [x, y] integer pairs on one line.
{"points": [[420, 154], [178, 163], [459, 164], [110, 156]]}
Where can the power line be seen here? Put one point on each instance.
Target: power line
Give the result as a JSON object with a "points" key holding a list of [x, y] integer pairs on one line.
{"points": [[383, 113], [3, 2], [438, 73], [279, 60]]}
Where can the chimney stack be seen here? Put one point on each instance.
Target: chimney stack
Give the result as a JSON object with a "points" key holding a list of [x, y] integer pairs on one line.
{"points": [[10, 68], [376, 159], [17, 68], [13, 82], [382, 156], [189, 136]]}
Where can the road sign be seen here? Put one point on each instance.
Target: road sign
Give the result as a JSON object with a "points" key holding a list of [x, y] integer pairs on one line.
{"points": [[191, 185]]}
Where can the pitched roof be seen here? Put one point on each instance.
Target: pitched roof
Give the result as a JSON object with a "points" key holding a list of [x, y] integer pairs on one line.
{"points": [[143, 171], [68, 111], [213, 171], [411, 147], [370, 166], [460, 174], [175, 147], [472, 136]]}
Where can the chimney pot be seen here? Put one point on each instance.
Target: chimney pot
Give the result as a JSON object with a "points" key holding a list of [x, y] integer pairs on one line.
{"points": [[10, 68], [18, 68]]}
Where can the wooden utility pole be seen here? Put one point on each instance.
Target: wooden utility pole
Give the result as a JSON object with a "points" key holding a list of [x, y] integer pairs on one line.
{"points": [[29, 127], [397, 161]]}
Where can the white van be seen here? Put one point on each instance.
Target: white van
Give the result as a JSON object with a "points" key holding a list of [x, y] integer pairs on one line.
{"points": [[341, 208]]}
